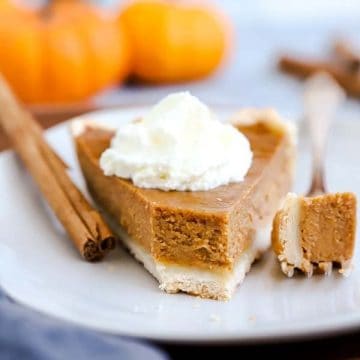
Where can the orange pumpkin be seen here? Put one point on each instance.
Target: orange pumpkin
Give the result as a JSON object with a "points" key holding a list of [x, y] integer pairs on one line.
{"points": [[6, 5], [63, 53], [175, 40]]}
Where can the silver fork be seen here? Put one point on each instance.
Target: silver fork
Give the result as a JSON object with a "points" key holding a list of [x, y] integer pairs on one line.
{"points": [[322, 98]]}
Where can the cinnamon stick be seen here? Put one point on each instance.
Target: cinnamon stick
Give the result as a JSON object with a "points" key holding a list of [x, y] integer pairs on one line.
{"points": [[347, 56], [305, 68], [85, 226]]}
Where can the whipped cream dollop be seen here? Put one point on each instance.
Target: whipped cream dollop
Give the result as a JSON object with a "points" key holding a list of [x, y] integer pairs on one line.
{"points": [[178, 145]]}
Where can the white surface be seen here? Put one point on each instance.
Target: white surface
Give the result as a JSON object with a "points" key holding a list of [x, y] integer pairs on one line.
{"points": [[39, 267]]}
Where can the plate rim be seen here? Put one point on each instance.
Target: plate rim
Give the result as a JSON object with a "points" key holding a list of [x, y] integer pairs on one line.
{"points": [[318, 330]]}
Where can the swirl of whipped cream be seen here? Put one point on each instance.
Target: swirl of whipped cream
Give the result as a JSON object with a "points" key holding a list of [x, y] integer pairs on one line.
{"points": [[178, 145]]}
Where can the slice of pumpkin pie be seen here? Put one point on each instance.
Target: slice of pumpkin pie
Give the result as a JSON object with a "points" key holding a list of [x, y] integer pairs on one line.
{"points": [[201, 237]]}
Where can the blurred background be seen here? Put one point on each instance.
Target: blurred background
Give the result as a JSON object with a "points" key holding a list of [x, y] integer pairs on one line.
{"points": [[66, 57], [76, 55]]}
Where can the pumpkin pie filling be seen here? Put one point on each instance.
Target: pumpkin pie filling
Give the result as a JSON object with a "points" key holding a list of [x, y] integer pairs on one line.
{"points": [[200, 242]]}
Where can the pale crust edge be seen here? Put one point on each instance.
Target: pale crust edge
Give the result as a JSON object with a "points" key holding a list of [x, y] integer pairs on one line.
{"points": [[204, 284]]}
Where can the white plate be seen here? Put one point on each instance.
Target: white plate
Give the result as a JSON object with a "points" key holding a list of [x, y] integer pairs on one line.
{"points": [[40, 268]]}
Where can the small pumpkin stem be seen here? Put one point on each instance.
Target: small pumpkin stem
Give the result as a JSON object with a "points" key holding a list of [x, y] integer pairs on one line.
{"points": [[48, 5]]}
